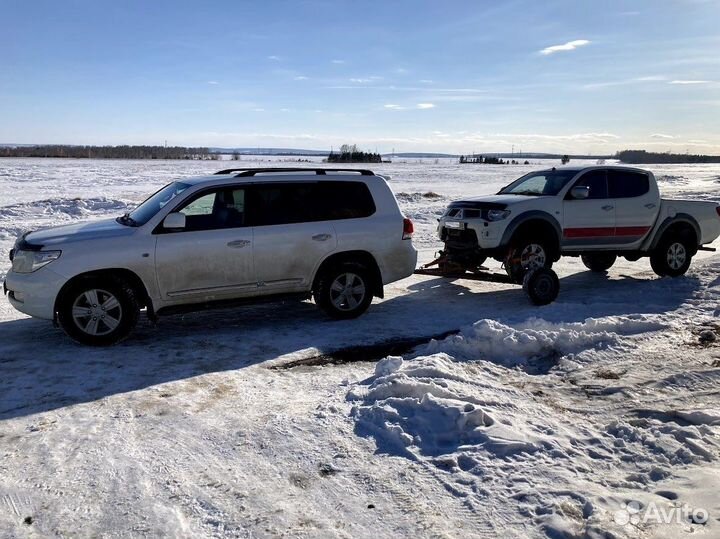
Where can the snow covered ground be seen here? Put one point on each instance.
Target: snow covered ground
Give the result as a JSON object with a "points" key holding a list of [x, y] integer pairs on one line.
{"points": [[596, 416]]}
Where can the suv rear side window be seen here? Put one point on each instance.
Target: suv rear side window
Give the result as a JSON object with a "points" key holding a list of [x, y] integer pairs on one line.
{"points": [[286, 203], [627, 184], [596, 180]]}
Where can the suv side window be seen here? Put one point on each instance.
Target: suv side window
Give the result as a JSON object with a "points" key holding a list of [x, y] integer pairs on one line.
{"points": [[627, 184], [300, 202], [222, 208], [344, 200], [596, 180]]}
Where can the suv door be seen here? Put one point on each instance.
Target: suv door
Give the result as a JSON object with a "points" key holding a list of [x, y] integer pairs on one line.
{"points": [[636, 205], [291, 237], [590, 222], [211, 258]]}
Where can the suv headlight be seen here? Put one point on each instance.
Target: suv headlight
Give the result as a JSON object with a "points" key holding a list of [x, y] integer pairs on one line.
{"points": [[29, 261], [497, 215]]}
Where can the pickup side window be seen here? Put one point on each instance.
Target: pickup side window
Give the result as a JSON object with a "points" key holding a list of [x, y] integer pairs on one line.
{"points": [[596, 180], [222, 208], [627, 183]]}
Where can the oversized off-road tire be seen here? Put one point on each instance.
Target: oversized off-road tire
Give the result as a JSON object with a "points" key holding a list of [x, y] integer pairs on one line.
{"points": [[98, 311], [541, 285], [672, 256], [344, 291], [527, 254], [599, 262]]}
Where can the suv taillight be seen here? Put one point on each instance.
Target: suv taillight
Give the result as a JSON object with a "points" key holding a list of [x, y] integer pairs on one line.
{"points": [[408, 229]]}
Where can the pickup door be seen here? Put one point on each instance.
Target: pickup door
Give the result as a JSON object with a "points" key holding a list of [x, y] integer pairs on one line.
{"points": [[637, 204], [590, 222]]}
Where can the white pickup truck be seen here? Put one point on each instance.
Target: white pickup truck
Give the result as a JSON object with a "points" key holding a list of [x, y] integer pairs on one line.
{"points": [[597, 212]]}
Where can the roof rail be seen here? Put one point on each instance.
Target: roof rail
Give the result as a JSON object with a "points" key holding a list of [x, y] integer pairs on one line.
{"points": [[319, 171]]}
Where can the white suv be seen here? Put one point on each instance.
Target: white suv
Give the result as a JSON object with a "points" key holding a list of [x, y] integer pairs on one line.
{"points": [[241, 234]]}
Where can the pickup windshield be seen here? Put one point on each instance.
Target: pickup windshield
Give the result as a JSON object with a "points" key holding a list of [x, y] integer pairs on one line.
{"points": [[544, 183], [145, 211]]}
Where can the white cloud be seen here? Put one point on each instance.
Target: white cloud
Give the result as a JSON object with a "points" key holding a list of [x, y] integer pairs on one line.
{"points": [[689, 81], [300, 77], [569, 46], [426, 81], [258, 109], [393, 106], [425, 106], [213, 82], [360, 80], [697, 141], [338, 61], [274, 58], [661, 135]]}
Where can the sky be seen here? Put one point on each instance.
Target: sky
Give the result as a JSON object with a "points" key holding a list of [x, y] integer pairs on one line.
{"points": [[476, 76]]}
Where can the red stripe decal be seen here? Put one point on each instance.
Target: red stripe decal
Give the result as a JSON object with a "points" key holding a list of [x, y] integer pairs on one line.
{"points": [[588, 232], [631, 230], [605, 232]]}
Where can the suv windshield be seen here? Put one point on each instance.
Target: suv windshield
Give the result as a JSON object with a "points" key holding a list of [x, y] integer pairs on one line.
{"points": [[543, 183], [145, 211]]}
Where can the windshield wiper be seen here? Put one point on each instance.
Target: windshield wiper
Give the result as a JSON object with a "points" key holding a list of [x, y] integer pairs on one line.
{"points": [[126, 220]]}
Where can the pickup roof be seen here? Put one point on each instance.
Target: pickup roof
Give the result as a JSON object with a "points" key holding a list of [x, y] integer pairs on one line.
{"points": [[597, 212]]}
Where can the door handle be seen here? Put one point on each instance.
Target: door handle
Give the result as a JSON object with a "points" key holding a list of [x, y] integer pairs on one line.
{"points": [[608, 207], [650, 206], [321, 237], [239, 244]]}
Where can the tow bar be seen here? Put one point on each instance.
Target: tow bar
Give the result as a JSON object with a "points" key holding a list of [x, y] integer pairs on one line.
{"points": [[541, 285]]}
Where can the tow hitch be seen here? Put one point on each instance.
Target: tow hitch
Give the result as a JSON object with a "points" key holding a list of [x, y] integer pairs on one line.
{"points": [[540, 284]]}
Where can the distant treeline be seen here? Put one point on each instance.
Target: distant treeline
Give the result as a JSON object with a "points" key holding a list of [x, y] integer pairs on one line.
{"points": [[108, 152], [641, 157], [350, 154], [486, 160]]}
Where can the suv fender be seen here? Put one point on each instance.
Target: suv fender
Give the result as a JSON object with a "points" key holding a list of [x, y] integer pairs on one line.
{"points": [[116, 274], [546, 225], [360, 257]]}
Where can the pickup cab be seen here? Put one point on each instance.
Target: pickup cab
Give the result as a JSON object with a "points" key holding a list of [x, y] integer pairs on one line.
{"points": [[596, 212]]}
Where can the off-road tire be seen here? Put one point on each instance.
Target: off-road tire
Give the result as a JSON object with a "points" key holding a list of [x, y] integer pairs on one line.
{"points": [[671, 257], [541, 285], [328, 298], [514, 267], [127, 314], [598, 262]]}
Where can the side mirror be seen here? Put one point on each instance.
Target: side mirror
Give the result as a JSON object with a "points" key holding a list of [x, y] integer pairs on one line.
{"points": [[174, 221], [580, 192]]}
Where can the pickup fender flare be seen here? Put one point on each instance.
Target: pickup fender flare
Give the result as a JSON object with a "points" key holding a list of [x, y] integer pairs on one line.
{"points": [[670, 221], [531, 215]]}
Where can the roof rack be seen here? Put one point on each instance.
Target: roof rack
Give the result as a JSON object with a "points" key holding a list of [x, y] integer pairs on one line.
{"points": [[319, 171]]}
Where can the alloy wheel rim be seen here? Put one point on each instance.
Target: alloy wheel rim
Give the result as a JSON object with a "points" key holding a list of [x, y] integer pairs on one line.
{"points": [[96, 312], [533, 256], [676, 255], [347, 291]]}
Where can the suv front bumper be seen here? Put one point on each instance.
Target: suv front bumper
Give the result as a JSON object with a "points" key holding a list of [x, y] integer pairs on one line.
{"points": [[34, 293]]}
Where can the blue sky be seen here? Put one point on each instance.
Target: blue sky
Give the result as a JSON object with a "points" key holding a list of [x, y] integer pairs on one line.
{"points": [[551, 75]]}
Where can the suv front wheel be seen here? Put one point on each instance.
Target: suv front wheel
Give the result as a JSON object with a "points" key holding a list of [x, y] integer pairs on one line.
{"points": [[98, 312], [344, 291]]}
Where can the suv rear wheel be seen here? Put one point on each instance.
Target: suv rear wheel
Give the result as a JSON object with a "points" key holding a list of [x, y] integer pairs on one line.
{"points": [[672, 256], [525, 255], [344, 291], [599, 262], [98, 312]]}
